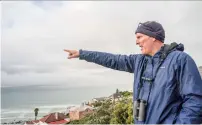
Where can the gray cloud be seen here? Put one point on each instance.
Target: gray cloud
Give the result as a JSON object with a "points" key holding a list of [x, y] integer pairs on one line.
{"points": [[18, 69], [34, 35]]}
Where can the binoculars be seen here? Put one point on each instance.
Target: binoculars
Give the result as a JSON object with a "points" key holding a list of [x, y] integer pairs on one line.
{"points": [[139, 109]]}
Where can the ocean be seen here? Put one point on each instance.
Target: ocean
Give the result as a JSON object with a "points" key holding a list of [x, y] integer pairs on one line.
{"points": [[18, 103]]}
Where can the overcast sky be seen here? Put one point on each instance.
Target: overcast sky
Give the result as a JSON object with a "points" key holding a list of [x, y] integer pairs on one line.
{"points": [[34, 35]]}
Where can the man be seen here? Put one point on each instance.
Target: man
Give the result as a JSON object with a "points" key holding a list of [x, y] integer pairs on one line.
{"points": [[167, 84]]}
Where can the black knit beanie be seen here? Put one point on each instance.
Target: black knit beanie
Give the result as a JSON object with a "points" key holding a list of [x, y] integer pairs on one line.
{"points": [[152, 29]]}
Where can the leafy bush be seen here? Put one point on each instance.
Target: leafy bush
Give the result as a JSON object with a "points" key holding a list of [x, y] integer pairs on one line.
{"points": [[110, 113]]}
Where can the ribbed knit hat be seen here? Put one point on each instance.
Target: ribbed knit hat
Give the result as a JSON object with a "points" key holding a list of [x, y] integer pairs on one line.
{"points": [[152, 29]]}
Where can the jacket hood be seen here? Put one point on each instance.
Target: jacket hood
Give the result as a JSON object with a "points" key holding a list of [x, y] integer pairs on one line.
{"points": [[168, 48], [173, 46]]}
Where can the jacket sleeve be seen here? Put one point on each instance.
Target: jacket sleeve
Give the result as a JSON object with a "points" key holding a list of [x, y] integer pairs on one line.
{"points": [[117, 62], [190, 85]]}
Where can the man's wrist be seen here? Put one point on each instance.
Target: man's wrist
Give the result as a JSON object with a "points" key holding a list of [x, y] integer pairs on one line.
{"points": [[80, 54]]}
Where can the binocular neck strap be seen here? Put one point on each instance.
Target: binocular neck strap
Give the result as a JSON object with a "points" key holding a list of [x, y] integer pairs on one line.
{"points": [[151, 83], [151, 80], [141, 73]]}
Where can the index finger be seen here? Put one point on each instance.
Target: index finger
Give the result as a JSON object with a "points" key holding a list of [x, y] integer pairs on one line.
{"points": [[66, 50]]}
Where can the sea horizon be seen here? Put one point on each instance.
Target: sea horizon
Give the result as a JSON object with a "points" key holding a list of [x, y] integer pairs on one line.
{"points": [[18, 103]]}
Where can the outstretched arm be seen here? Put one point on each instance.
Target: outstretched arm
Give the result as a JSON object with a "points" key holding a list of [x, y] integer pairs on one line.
{"points": [[117, 62]]}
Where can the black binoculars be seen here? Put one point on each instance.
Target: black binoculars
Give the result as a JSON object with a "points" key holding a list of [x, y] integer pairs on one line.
{"points": [[139, 109]]}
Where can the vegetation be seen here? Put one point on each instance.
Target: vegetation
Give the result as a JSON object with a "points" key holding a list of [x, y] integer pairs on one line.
{"points": [[36, 110], [126, 93], [108, 112]]}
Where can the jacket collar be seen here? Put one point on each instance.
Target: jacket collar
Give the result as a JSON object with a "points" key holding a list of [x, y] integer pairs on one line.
{"points": [[163, 52]]}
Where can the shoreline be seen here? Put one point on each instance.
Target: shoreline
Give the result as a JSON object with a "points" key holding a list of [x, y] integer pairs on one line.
{"points": [[27, 113], [21, 120]]}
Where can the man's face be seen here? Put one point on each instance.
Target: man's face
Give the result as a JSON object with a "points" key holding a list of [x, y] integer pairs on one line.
{"points": [[145, 43]]}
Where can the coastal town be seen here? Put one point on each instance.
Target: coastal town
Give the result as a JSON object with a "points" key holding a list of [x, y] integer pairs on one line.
{"points": [[73, 113]]}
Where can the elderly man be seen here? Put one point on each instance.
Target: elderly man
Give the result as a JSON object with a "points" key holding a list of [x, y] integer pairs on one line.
{"points": [[167, 84]]}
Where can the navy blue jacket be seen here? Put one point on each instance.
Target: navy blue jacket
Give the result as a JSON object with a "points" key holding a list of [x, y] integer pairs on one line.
{"points": [[175, 95]]}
